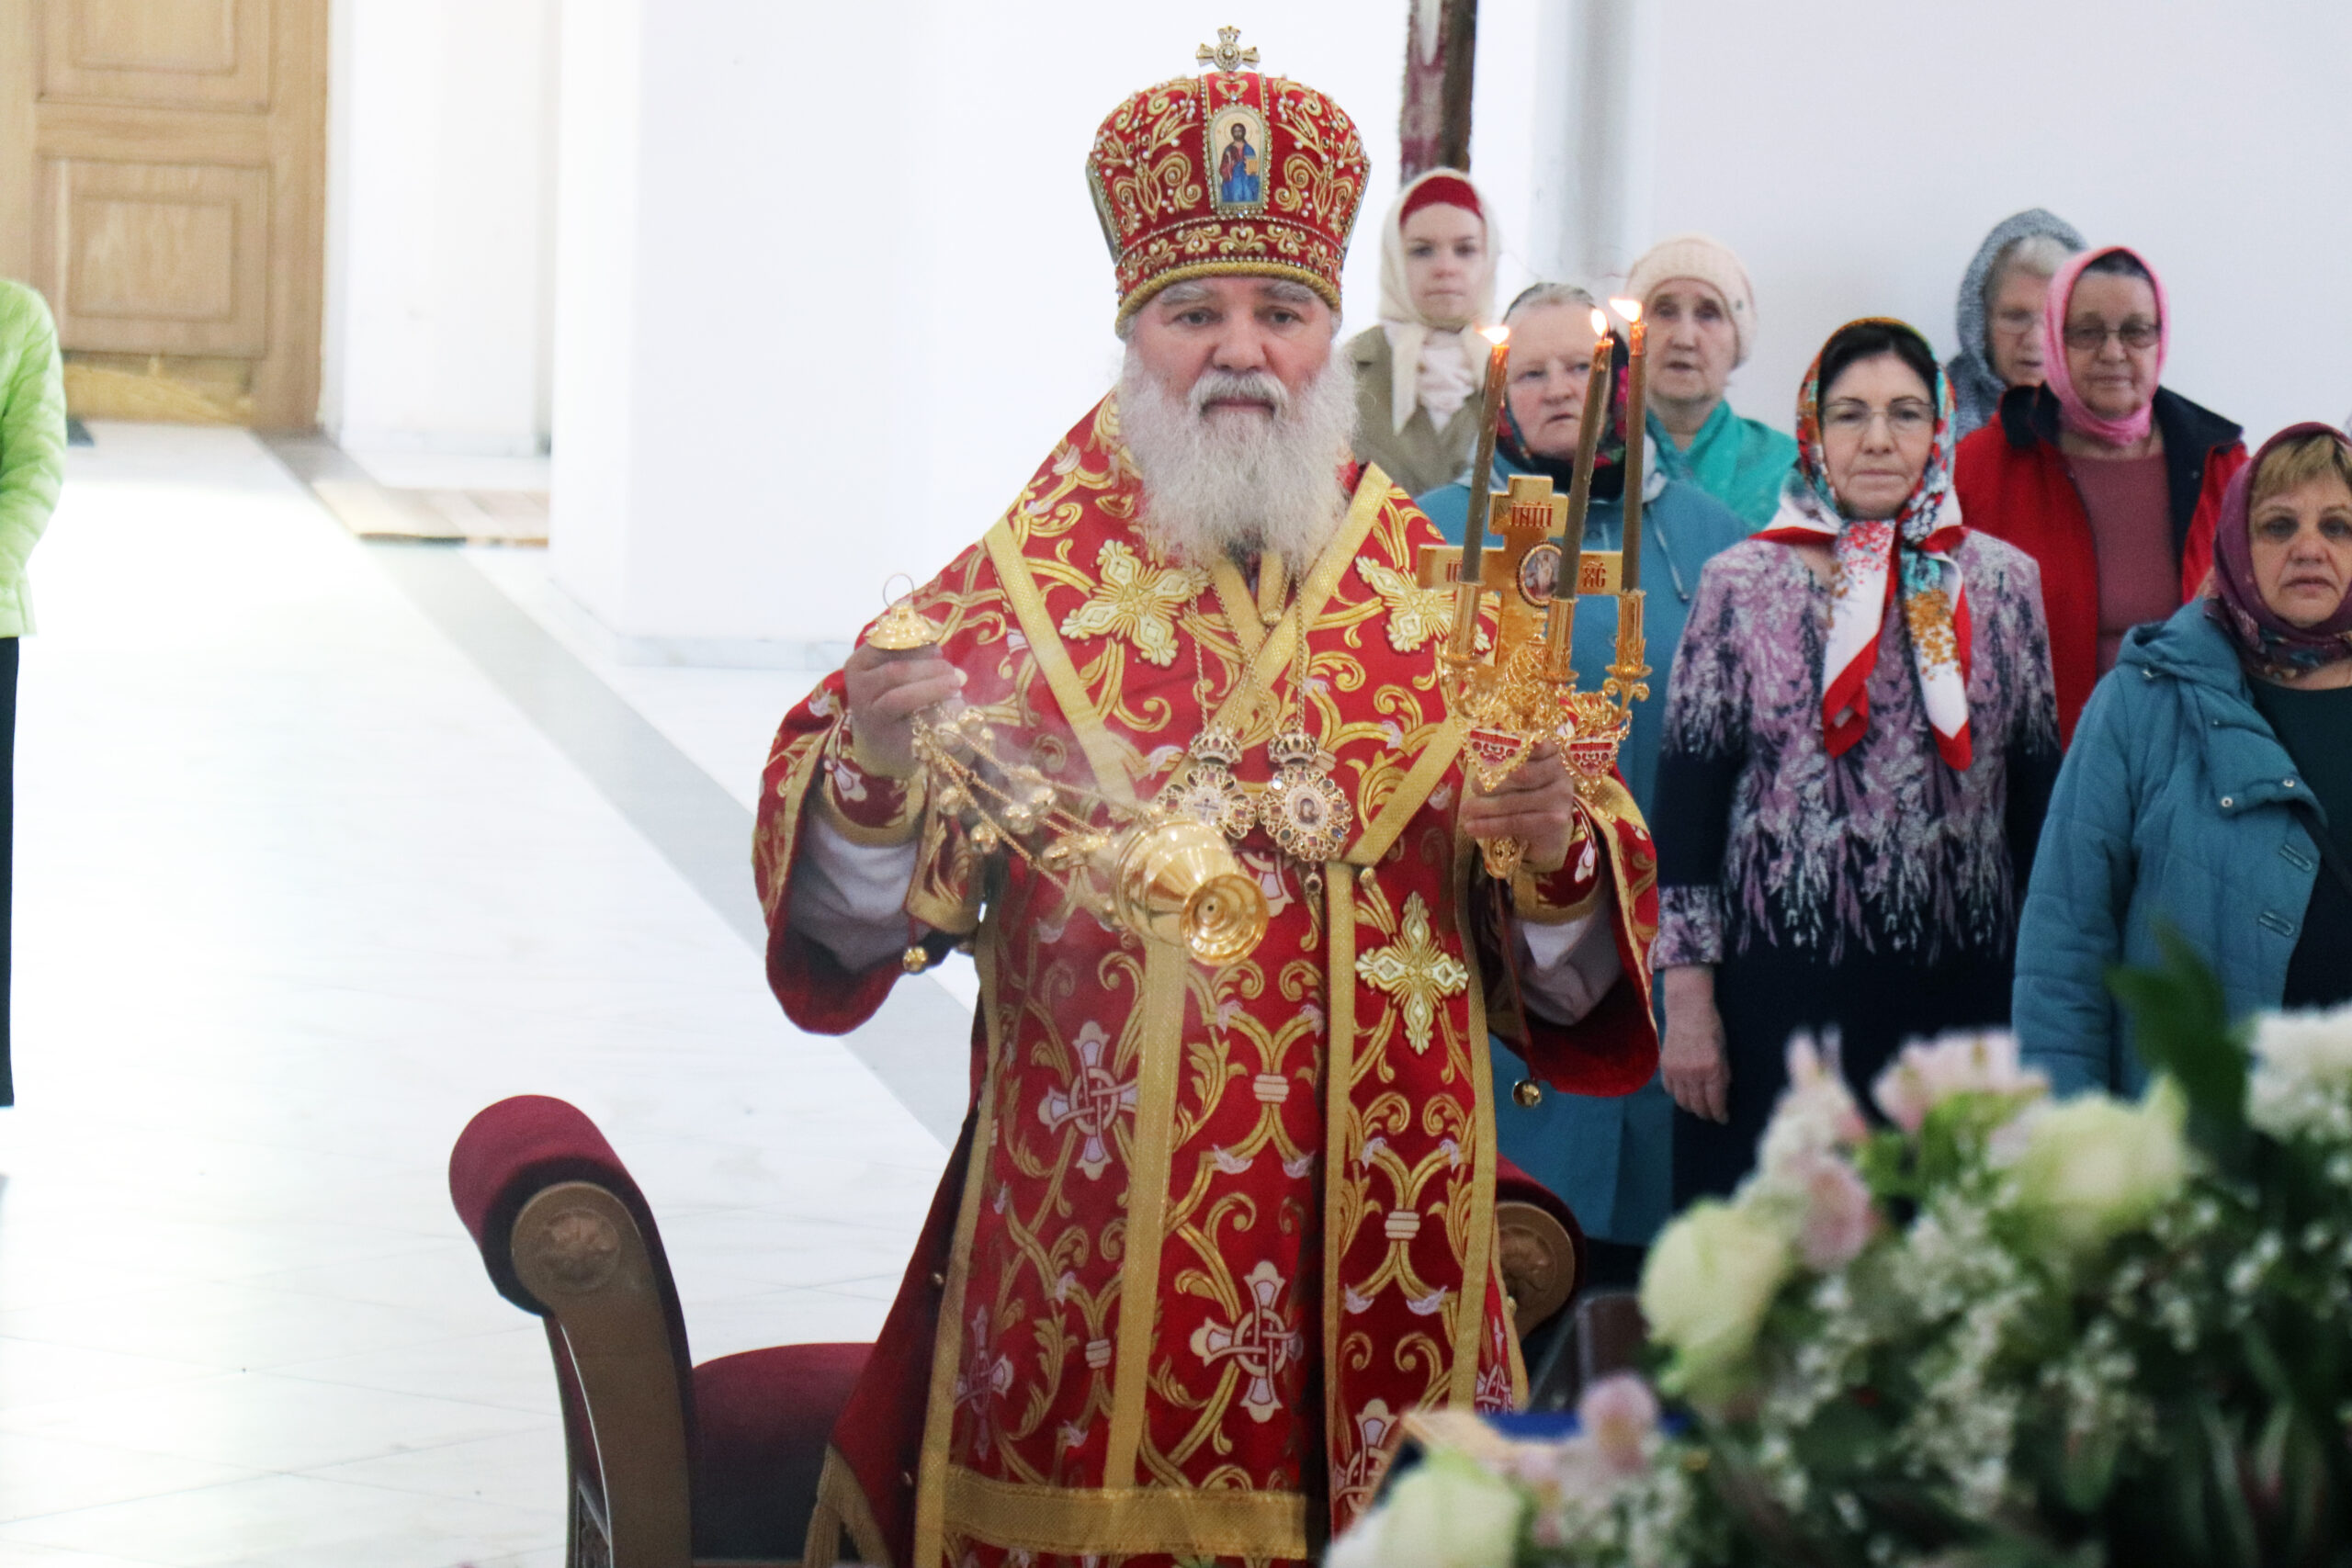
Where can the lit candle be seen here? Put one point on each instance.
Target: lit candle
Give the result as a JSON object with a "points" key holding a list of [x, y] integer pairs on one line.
{"points": [[1590, 425], [1474, 528], [1559, 627], [1636, 442]]}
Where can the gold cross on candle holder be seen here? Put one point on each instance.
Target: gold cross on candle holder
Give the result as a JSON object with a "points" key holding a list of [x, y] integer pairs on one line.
{"points": [[1228, 55]]}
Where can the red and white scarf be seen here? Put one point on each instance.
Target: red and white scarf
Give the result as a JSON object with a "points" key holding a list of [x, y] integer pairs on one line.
{"points": [[1907, 556]]}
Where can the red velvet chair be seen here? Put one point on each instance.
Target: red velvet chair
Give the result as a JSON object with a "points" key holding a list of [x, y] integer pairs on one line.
{"points": [[672, 1464]]}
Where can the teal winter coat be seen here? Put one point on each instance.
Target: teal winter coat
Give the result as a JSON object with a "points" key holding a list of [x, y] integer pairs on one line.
{"points": [[2176, 805]]}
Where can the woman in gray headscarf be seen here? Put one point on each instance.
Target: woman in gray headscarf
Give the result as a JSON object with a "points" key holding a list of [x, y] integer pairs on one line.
{"points": [[2001, 312]]}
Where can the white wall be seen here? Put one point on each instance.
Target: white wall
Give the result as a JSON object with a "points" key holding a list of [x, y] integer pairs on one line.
{"points": [[441, 145], [1855, 152], [830, 293]]}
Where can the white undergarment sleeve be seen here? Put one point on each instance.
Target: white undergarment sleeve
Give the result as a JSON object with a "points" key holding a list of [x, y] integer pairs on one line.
{"points": [[850, 899], [1565, 970]]}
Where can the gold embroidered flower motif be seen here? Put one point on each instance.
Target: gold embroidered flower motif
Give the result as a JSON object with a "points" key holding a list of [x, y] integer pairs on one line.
{"points": [[1415, 613], [1137, 601], [1416, 971]]}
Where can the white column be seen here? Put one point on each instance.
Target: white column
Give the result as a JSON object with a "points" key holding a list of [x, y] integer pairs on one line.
{"points": [[438, 244]]}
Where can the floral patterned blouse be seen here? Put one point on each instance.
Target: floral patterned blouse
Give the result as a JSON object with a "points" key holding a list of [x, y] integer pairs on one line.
{"points": [[1884, 851]]}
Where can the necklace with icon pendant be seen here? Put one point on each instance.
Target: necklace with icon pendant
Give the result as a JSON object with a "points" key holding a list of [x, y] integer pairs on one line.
{"points": [[1302, 807]]}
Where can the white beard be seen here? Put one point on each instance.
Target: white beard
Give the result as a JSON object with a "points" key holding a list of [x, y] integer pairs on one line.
{"points": [[1236, 484]]}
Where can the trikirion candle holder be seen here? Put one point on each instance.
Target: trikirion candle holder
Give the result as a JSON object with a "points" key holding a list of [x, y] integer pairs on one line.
{"points": [[1521, 690]]}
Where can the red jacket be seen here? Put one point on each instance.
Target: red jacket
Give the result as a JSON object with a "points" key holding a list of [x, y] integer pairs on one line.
{"points": [[2014, 484]]}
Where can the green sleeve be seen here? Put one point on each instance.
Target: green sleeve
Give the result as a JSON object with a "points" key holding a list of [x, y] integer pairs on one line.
{"points": [[33, 430]]}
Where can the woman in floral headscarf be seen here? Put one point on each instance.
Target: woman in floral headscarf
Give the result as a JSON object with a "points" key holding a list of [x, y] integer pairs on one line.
{"points": [[1860, 738], [2209, 787]]}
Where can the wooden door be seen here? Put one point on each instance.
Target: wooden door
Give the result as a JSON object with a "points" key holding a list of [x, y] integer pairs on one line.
{"points": [[162, 173]]}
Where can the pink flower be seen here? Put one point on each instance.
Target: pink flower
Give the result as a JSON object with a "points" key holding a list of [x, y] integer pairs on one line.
{"points": [[1816, 1112], [1926, 1075], [1838, 1220], [1619, 1414]]}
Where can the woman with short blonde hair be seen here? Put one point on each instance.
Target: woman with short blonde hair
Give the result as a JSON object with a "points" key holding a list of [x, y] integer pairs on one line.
{"points": [[2209, 788]]}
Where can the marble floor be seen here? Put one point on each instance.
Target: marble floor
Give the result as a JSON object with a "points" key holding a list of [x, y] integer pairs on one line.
{"points": [[301, 885]]}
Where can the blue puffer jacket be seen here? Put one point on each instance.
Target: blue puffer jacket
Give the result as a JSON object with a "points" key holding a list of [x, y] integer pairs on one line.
{"points": [[2177, 804]]}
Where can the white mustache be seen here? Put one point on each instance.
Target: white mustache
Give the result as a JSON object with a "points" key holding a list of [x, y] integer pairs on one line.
{"points": [[1253, 385]]}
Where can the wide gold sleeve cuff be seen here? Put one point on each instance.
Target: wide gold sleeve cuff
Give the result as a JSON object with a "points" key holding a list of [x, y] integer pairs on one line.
{"points": [[1571, 893]]}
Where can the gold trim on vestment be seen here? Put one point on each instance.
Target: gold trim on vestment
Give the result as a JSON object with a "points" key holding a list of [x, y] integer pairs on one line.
{"points": [[1527, 900], [1053, 659], [1184, 1522], [1406, 798], [904, 828], [1478, 1272], [1338, 1103], [1274, 588], [792, 791], [1613, 802], [947, 1348], [1159, 1056], [841, 1504], [1245, 615]]}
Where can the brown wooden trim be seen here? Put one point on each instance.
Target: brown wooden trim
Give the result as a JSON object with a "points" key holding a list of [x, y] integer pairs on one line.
{"points": [[578, 1250], [286, 382], [18, 57]]}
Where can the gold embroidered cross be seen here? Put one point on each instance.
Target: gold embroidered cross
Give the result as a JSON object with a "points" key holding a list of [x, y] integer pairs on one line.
{"points": [[1094, 1102], [1415, 613], [1417, 972], [1135, 600], [1228, 53], [1262, 1345]]}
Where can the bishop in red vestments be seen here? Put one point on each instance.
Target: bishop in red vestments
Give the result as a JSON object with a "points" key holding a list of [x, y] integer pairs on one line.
{"points": [[1210, 1232]]}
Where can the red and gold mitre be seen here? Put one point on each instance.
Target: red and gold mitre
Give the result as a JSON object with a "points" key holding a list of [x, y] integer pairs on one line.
{"points": [[1226, 172]]}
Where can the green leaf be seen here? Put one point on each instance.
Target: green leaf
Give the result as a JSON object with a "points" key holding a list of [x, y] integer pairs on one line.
{"points": [[2180, 1025]]}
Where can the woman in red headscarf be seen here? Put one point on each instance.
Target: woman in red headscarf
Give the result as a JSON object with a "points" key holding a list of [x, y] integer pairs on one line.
{"points": [[1419, 372], [2110, 481], [1859, 741]]}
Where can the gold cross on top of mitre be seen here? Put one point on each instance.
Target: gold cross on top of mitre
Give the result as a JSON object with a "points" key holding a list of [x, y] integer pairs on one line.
{"points": [[1228, 54]]}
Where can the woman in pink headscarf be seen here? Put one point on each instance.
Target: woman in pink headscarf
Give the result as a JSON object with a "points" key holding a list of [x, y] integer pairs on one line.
{"points": [[2107, 479]]}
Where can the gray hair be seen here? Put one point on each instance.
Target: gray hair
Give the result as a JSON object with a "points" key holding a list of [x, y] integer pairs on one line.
{"points": [[1192, 290], [2039, 254], [1540, 296]]}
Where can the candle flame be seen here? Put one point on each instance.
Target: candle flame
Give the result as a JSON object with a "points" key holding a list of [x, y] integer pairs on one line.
{"points": [[1629, 308], [1495, 333], [1600, 323]]}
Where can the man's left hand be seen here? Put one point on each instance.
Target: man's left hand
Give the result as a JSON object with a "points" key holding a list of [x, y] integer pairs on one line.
{"points": [[1536, 804]]}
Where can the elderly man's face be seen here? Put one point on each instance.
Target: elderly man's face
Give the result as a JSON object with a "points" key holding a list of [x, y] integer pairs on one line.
{"points": [[1238, 325]]}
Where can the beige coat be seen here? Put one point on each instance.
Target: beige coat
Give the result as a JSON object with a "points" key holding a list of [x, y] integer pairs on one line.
{"points": [[1419, 458]]}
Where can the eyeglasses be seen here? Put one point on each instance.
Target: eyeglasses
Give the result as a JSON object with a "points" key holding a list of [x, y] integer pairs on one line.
{"points": [[2086, 337], [1909, 417]]}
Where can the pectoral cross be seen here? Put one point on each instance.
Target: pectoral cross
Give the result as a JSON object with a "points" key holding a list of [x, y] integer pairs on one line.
{"points": [[1228, 54]]}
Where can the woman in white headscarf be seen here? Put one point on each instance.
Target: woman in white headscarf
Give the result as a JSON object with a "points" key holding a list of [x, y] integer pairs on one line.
{"points": [[1419, 372]]}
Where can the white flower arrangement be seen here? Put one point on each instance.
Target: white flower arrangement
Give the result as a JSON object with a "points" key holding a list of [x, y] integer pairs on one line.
{"points": [[1998, 1329]]}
